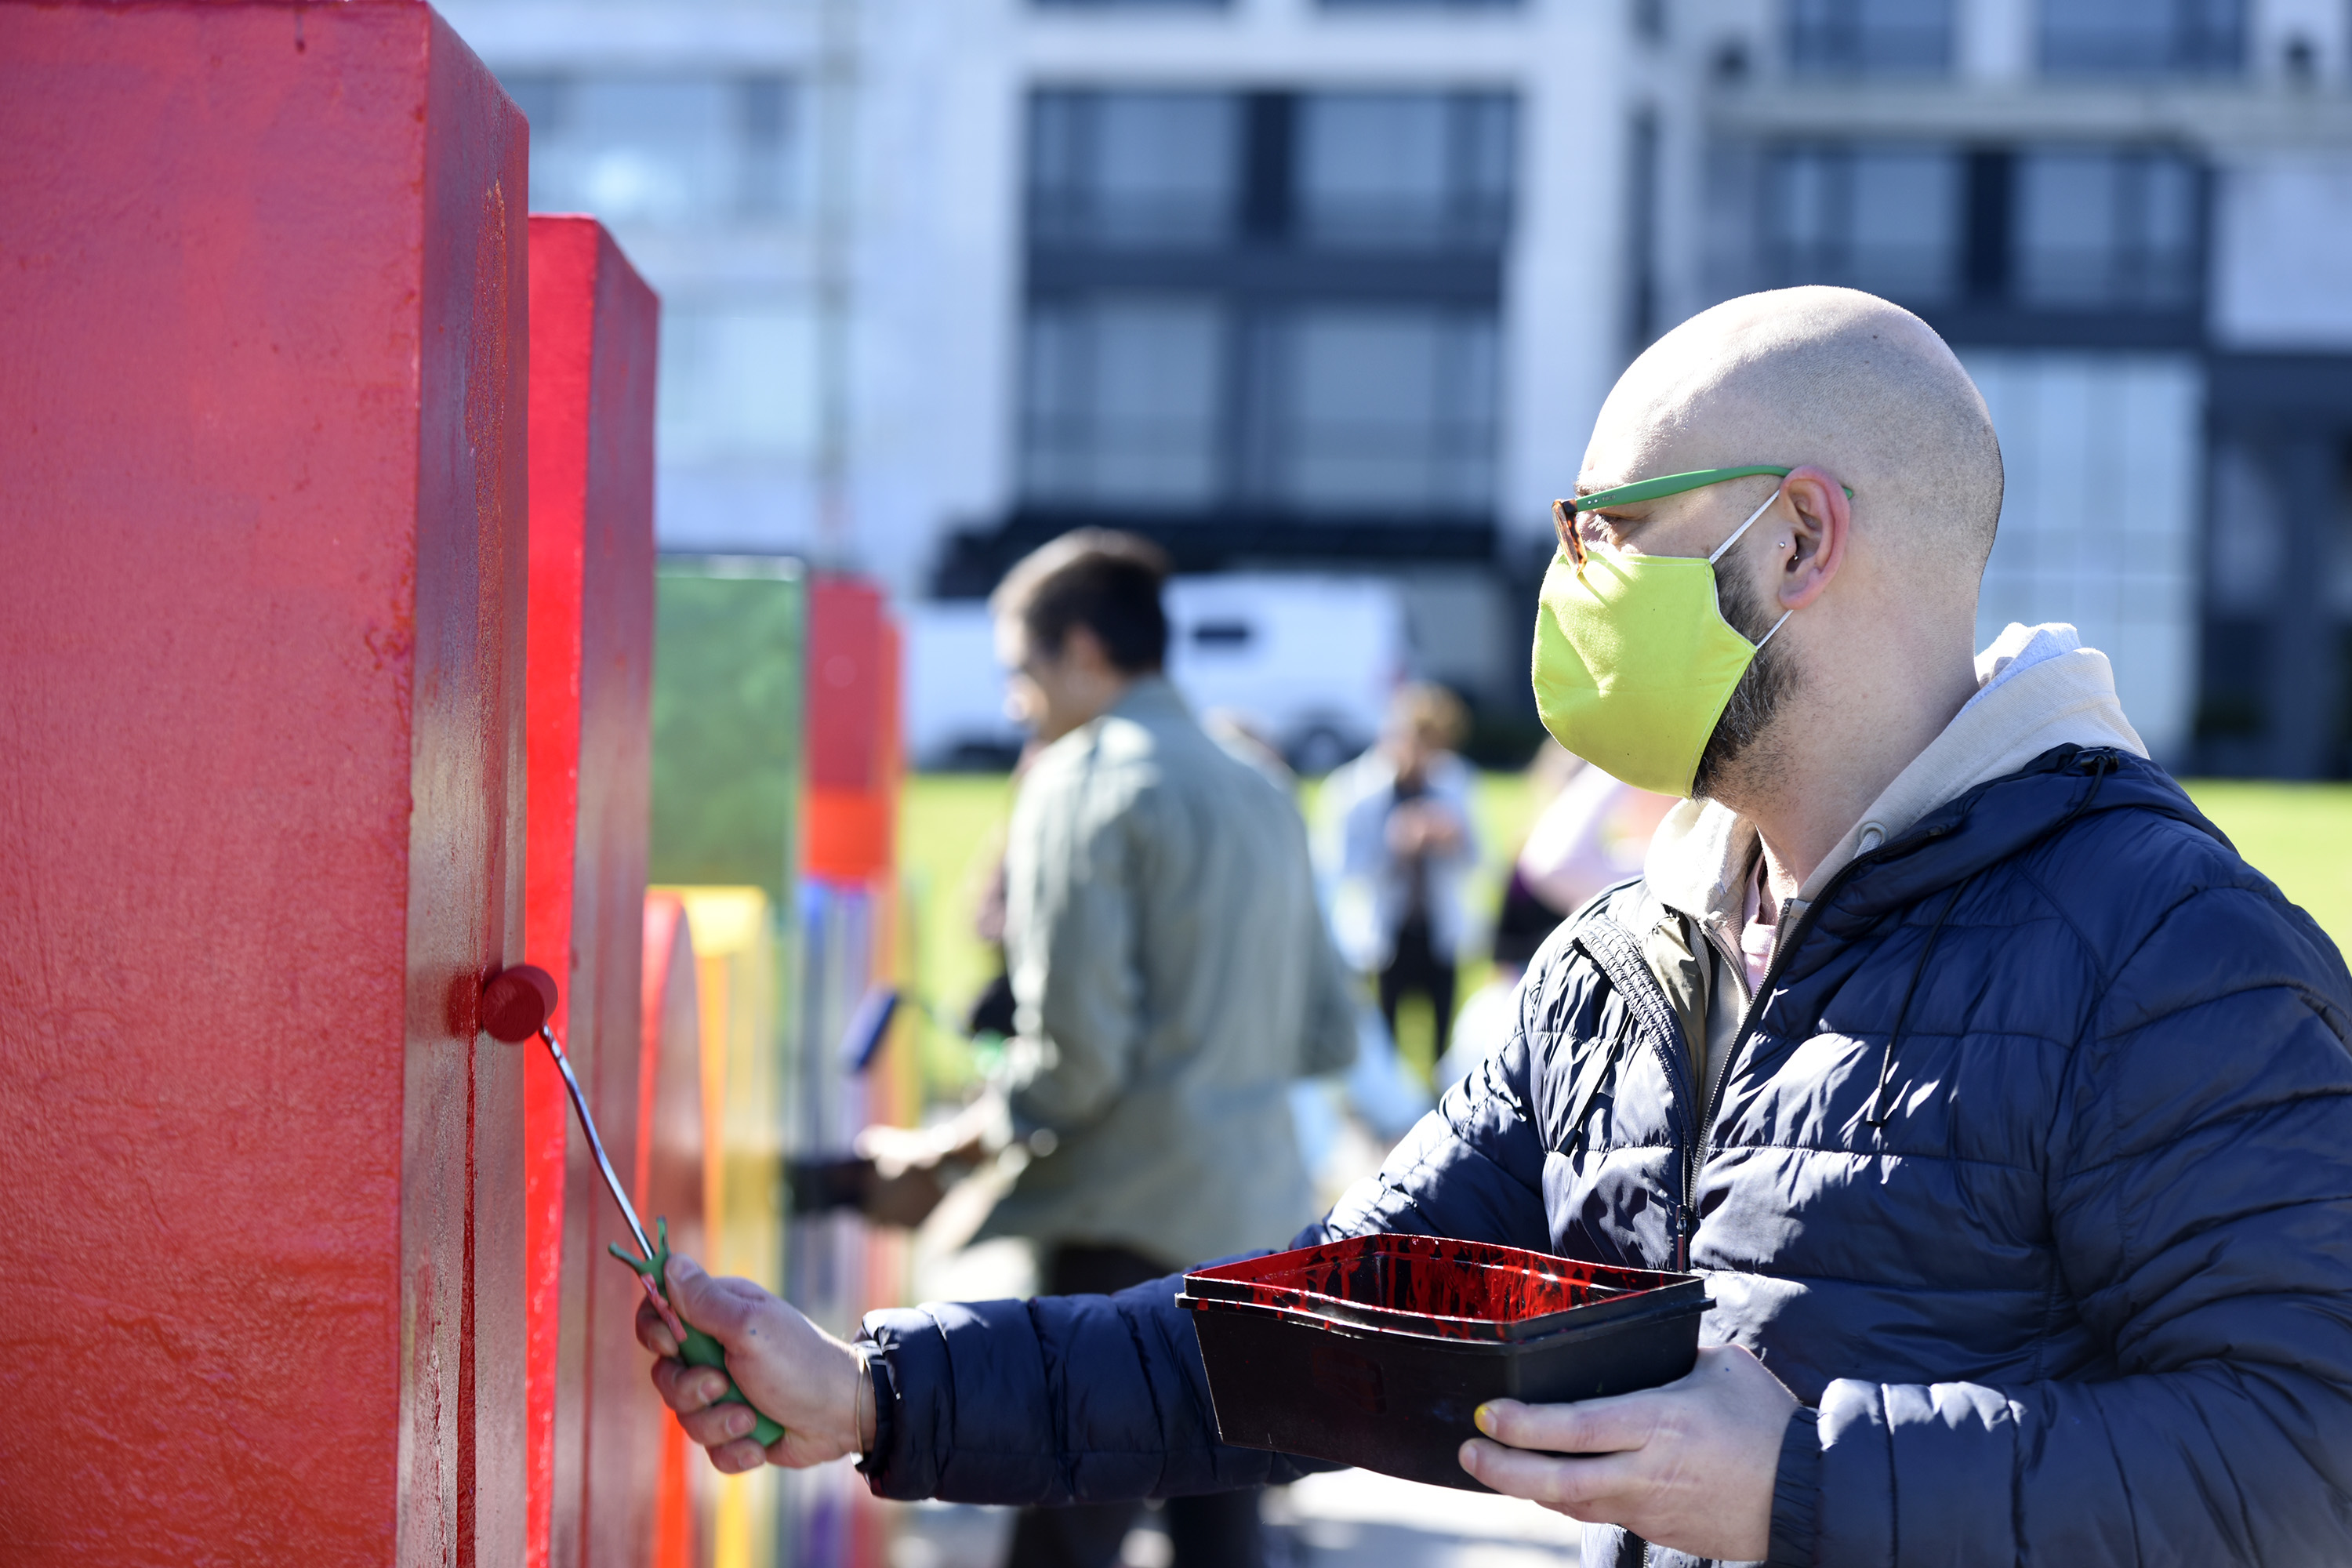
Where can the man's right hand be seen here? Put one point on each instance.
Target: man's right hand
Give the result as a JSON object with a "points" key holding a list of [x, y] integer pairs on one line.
{"points": [[793, 1370], [913, 1166]]}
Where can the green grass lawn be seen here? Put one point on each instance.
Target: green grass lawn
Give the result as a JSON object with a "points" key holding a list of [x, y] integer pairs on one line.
{"points": [[951, 829], [950, 833]]}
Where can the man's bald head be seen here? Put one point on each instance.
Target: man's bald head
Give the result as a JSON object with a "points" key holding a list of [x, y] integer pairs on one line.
{"points": [[1826, 376]]}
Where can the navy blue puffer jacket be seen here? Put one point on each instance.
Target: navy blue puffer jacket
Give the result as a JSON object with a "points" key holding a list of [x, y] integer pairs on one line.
{"points": [[2032, 1176]]}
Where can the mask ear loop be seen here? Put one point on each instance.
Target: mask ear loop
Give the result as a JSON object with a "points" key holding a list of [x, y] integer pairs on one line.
{"points": [[1728, 543]]}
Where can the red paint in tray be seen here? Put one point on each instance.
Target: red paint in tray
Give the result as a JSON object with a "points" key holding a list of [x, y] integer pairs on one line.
{"points": [[1456, 1289], [1375, 1351]]}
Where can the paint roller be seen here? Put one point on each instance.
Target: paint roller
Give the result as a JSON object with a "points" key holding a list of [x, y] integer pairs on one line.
{"points": [[516, 1005]]}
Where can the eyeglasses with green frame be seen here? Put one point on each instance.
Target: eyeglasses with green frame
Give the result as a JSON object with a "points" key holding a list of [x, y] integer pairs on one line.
{"points": [[1563, 512]]}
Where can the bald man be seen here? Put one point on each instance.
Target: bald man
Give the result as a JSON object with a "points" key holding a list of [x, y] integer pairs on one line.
{"points": [[2006, 1111]]}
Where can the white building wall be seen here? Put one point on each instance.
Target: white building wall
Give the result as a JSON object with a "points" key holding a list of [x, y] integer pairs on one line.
{"points": [[2282, 273], [935, 292], [2099, 525], [1566, 292]]}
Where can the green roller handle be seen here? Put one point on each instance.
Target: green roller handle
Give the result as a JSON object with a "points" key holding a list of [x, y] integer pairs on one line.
{"points": [[701, 1348]]}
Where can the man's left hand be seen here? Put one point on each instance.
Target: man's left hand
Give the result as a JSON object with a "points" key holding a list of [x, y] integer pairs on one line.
{"points": [[1689, 1466]]}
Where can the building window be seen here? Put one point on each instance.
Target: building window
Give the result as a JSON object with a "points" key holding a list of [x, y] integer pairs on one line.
{"points": [[2107, 37], [1410, 170], [1266, 302], [1133, 169], [661, 151], [1380, 410], [2104, 230], [1419, 4], [1120, 401], [2104, 246], [1884, 219], [1129, 5], [1874, 37]]}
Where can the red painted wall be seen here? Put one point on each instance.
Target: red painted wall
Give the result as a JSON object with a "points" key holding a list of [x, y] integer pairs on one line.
{"points": [[262, 573], [594, 1422]]}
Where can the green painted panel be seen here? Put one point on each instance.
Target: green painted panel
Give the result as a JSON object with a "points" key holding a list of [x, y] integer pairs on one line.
{"points": [[730, 641]]}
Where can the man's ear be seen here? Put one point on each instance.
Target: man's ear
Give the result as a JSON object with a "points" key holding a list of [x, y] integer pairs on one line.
{"points": [[1082, 651], [1815, 519]]}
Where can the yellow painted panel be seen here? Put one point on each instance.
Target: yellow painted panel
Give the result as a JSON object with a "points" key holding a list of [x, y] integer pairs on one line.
{"points": [[737, 962]]}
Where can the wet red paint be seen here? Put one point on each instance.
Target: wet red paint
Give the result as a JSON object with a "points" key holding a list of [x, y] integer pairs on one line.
{"points": [[595, 1421], [1458, 1290], [262, 561]]}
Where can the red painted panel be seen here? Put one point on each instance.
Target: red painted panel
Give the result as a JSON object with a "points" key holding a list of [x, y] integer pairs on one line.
{"points": [[853, 732], [595, 1418], [262, 601], [844, 673]]}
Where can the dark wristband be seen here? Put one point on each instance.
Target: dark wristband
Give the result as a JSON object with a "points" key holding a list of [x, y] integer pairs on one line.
{"points": [[885, 1406]]}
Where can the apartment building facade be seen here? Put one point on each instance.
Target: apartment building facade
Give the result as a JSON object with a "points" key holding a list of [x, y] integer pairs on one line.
{"points": [[1339, 285]]}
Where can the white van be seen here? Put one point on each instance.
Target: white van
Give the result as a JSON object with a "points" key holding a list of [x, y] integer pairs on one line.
{"points": [[1307, 662]]}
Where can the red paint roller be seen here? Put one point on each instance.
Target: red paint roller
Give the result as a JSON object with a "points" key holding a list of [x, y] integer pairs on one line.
{"points": [[515, 1005]]}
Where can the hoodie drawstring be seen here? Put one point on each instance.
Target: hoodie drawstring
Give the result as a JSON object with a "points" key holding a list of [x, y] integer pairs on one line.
{"points": [[2102, 764], [1878, 1107]]}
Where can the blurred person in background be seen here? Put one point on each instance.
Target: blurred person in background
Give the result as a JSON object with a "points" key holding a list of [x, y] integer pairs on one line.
{"points": [[1248, 743], [1345, 1123], [1397, 846], [1171, 977], [990, 1015], [1592, 835]]}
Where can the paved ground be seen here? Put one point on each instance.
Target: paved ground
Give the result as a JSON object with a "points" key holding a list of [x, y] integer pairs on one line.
{"points": [[1351, 1520]]}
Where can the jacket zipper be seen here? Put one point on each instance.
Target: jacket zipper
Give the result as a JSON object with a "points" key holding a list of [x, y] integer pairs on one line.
{"points": [[1686, 1214]]}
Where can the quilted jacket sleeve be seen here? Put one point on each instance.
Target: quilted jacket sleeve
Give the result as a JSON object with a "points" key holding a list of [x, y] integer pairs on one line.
{"points": [[2200, 1188], [1098, 1398], [1472, 1169]]}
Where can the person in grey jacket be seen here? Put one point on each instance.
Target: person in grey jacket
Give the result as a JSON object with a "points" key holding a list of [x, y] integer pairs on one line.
{"points": [[1171, 978]]}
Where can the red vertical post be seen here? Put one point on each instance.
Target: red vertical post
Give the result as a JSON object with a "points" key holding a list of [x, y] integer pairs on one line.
{"points": [[850, 823], [850, 841], [595, 1421], [262, 576]]}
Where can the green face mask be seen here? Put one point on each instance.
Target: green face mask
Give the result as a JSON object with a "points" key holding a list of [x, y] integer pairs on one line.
{"points": [[1633, 660]]}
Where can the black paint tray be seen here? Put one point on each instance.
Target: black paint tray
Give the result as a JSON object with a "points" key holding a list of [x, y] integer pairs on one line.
{"points": [[1375, 1351]]}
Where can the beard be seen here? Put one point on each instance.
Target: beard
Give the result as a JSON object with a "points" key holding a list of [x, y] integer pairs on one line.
{"points": [[1770, 679]]}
